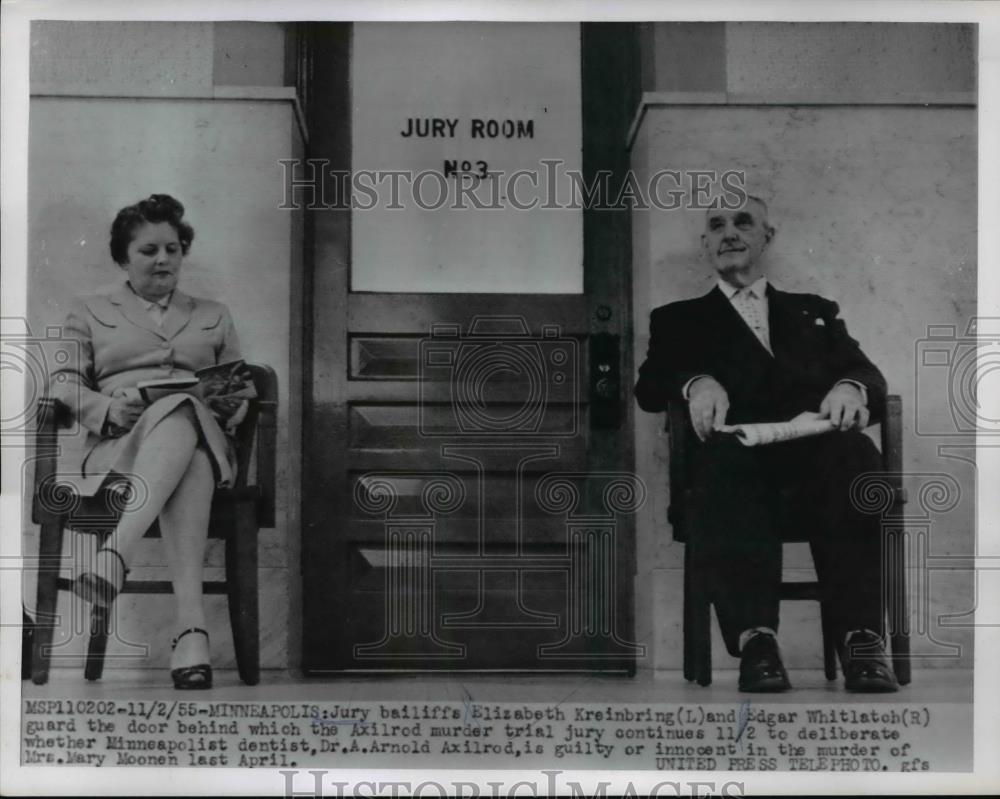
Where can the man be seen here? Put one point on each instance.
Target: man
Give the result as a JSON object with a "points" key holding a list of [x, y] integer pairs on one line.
{"points": [[746, 352]]}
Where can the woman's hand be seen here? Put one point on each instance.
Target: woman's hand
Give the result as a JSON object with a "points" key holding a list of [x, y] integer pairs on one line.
{"points": [[227, 395], [229, 410], [125, 409], [241, 381], [238, 383], [212, 386], [224, 405]]}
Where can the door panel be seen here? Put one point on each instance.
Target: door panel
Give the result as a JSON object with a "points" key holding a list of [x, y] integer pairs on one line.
{"points": [[468, 498], [462, 466]]}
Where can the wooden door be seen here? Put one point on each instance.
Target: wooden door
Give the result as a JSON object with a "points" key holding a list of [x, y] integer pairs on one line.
{"points": [[468, 494]]}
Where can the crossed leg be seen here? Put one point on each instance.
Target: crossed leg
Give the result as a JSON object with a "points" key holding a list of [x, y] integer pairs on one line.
{"points": [[178, 476]]}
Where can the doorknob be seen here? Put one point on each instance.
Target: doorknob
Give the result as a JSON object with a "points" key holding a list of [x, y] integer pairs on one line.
{"points": [[605, 381]]}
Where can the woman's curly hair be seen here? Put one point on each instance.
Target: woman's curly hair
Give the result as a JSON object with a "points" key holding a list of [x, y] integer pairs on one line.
{"points": [[157, 208]]}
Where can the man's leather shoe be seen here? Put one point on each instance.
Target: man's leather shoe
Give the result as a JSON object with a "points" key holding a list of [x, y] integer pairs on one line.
{"points": [[761, 669], [866, 666]]}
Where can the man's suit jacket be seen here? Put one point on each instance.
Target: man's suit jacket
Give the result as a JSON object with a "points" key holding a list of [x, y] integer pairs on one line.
{"points": [[707, 336]]}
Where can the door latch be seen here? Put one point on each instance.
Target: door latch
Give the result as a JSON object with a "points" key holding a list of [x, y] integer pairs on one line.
{"points": [[605, 381]]}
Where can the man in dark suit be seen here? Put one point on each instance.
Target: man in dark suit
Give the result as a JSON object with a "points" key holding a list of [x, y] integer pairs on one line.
{"points": [[747, 352]]}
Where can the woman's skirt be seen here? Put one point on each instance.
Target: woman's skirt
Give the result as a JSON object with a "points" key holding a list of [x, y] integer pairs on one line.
{"points": [[102, 457]]}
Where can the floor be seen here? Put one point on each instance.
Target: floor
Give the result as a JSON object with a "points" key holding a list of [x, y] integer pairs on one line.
{"points": [[928, 686]]}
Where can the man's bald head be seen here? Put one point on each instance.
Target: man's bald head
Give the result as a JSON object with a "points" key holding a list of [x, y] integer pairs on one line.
{"points": [[751, 200], [735, 239]]}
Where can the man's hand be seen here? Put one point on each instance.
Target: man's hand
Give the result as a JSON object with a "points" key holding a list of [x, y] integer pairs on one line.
{"points": [[125, 409], [845, 407], [708, 404]]}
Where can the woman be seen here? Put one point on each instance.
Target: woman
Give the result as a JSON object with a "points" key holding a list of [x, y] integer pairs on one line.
{"points": [[147, 329]]}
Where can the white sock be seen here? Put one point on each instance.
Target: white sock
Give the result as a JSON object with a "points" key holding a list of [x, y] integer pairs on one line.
{"points": [[750, 632]]}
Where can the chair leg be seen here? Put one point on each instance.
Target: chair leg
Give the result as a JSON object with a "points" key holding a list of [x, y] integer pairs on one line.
{"points": [[688, 631], [49, 559], [703, 640], [99, 617], [901, 658], [27, 643], [700, 618], [830, 643], [241, 576], [899, 620]]}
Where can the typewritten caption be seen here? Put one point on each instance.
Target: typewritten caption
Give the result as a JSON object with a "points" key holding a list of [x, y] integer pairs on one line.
{"points": [[672, 737]]}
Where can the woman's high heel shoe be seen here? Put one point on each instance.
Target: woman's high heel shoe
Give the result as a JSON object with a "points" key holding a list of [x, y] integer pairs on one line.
{"points": [[189, 678], [104, 581]]}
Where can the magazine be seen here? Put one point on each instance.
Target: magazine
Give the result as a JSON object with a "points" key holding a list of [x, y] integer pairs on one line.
{"points": [[220, 379]]}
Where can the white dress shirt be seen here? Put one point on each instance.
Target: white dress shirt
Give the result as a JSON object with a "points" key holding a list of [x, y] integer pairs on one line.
{"points": [[750, 303]]}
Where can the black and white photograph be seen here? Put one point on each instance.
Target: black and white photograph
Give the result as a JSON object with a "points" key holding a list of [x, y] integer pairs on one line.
{"points": [[499, 400]]}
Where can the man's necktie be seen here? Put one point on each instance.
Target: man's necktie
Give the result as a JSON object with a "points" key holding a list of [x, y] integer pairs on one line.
{"points": [[749, 307]]}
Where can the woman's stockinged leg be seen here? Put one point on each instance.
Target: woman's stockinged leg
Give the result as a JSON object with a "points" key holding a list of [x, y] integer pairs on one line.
{"points": [[161, 462], [177, 487], [184, 524]]}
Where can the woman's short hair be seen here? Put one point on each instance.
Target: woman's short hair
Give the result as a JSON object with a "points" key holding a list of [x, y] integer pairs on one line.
{"points": [[157, 208]]}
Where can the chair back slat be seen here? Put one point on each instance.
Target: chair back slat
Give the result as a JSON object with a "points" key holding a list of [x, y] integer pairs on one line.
{"points": [[892, 446]]}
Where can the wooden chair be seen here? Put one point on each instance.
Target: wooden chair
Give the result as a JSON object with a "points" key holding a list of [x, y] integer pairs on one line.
{"points": [[237, 515], [697, 602]]}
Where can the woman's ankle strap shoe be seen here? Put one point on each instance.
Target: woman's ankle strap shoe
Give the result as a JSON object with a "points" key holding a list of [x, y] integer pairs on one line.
{"points": [[173, 644], [191, 678]]}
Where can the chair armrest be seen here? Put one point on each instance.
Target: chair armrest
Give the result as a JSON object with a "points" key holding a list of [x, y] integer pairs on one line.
{"points": [[266, 382], [267, 434]]}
